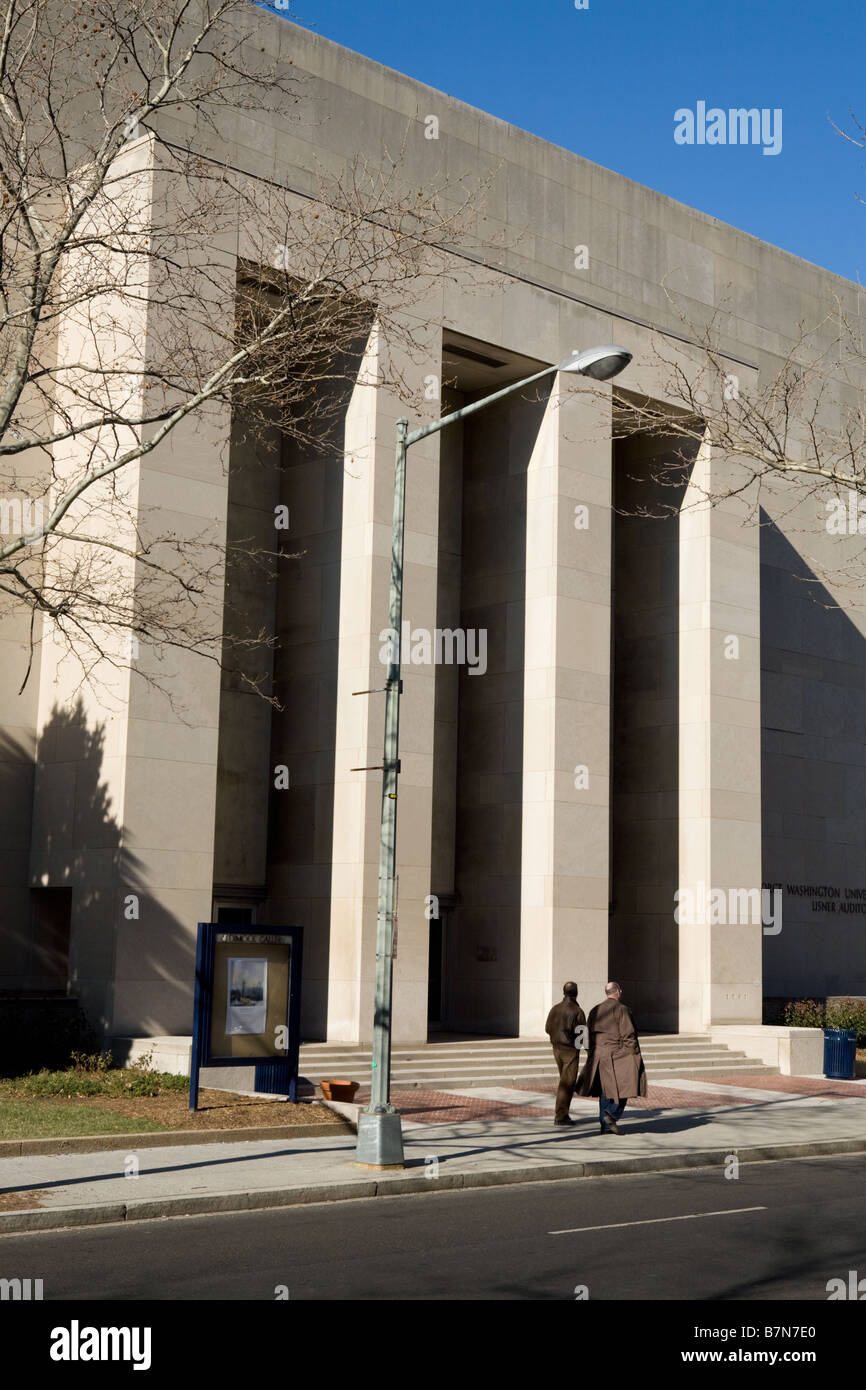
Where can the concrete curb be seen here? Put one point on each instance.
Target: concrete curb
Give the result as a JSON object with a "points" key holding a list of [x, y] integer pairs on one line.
{"points": [[157, 1139], [347, 1111], [57, 1218]]}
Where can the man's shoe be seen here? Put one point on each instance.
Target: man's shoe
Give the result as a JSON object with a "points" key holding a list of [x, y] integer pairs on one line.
{"points": [[567, 1121], [610, 1127]]}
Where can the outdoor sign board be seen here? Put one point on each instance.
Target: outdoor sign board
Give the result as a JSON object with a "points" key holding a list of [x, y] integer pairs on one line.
{"points": [[248, 1004]]}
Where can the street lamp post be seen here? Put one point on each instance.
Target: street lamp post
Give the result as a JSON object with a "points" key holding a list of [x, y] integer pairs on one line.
{"points": [[380, 1134]]}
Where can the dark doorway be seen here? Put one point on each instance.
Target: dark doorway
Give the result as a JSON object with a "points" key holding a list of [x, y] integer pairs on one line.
{"points": [[478, 747], [236, 916], [52, 917], [434, 971], [649, 482]]}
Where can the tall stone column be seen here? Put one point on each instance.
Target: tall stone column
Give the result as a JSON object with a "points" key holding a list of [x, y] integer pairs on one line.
{"points": [[564, 896], [127, 759], [719, 753], [368, 501]]}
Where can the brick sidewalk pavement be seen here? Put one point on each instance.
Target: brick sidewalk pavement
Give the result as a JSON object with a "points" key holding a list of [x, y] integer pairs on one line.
{"points": [[447, 1107], [797, 1085], [443, 1107]]}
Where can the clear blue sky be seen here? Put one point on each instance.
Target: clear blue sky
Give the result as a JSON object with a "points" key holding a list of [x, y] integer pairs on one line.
{"points": [[605, 82]]}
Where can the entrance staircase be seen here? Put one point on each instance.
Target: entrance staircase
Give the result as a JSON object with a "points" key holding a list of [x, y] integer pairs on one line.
{"points": [[468, 1062]]}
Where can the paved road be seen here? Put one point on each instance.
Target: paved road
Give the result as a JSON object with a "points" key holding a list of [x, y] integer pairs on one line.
{"points": [[810, 1226]]}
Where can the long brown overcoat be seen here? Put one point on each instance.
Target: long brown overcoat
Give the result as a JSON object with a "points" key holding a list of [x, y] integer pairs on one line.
{"points": [[614, 1066]]}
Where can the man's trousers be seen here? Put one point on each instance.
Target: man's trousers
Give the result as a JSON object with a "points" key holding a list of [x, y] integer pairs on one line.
{"points": [[566, 1060], [613, 1108]]}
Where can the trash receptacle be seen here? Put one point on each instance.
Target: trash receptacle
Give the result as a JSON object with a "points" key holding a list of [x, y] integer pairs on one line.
{"points": [[840, 1051]]}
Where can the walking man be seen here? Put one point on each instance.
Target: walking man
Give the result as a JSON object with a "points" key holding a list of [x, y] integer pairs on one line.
{"points": [[614, 1068], [563, 1026]]}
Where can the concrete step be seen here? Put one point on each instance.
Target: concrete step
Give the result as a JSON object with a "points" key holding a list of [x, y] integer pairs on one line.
{"points": [[447, 1083], [719, 1068], [512, 1049], [648, 1040], [509, 1077], [466, 1063], [543, 1050], [544, 1060], [504, 1054]]}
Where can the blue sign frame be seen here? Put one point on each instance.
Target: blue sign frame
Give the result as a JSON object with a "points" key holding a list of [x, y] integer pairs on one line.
{"points": [[273, 1075]]}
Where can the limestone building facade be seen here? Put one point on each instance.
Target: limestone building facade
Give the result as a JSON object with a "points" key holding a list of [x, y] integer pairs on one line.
{"points": [[609, 752]]}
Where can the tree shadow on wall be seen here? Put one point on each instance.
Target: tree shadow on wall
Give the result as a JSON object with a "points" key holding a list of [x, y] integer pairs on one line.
{"points": [[117, 929], [813, 772]]}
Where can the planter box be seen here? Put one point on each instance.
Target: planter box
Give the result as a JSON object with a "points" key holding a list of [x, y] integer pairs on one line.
{"points": [[339, 1090], [795, 1051]]}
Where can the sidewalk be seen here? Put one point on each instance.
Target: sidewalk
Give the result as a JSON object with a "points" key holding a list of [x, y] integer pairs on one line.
{"points": [[454, 1139]]}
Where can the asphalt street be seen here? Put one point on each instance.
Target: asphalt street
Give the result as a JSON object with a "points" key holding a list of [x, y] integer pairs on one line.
{"points": [[778, 1231]]}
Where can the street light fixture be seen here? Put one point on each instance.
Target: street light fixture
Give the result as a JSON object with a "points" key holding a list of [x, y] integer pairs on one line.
{"points": [[601, 363], [380, 1134]]}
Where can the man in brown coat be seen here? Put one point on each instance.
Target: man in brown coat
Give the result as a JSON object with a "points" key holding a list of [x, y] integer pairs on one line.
{"points": [[614, 1068], [566, 1028]]}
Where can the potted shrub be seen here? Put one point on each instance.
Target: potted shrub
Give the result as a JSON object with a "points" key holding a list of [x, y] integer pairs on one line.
{"points": [[804, 1013]]}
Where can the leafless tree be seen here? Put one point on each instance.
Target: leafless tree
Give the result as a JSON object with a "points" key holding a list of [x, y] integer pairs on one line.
{"points": [[792, 434], [125, 325]]}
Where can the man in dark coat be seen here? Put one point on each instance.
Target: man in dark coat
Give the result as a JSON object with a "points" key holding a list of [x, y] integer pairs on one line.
{"points": [[614, 1069], [563, 1026]]}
